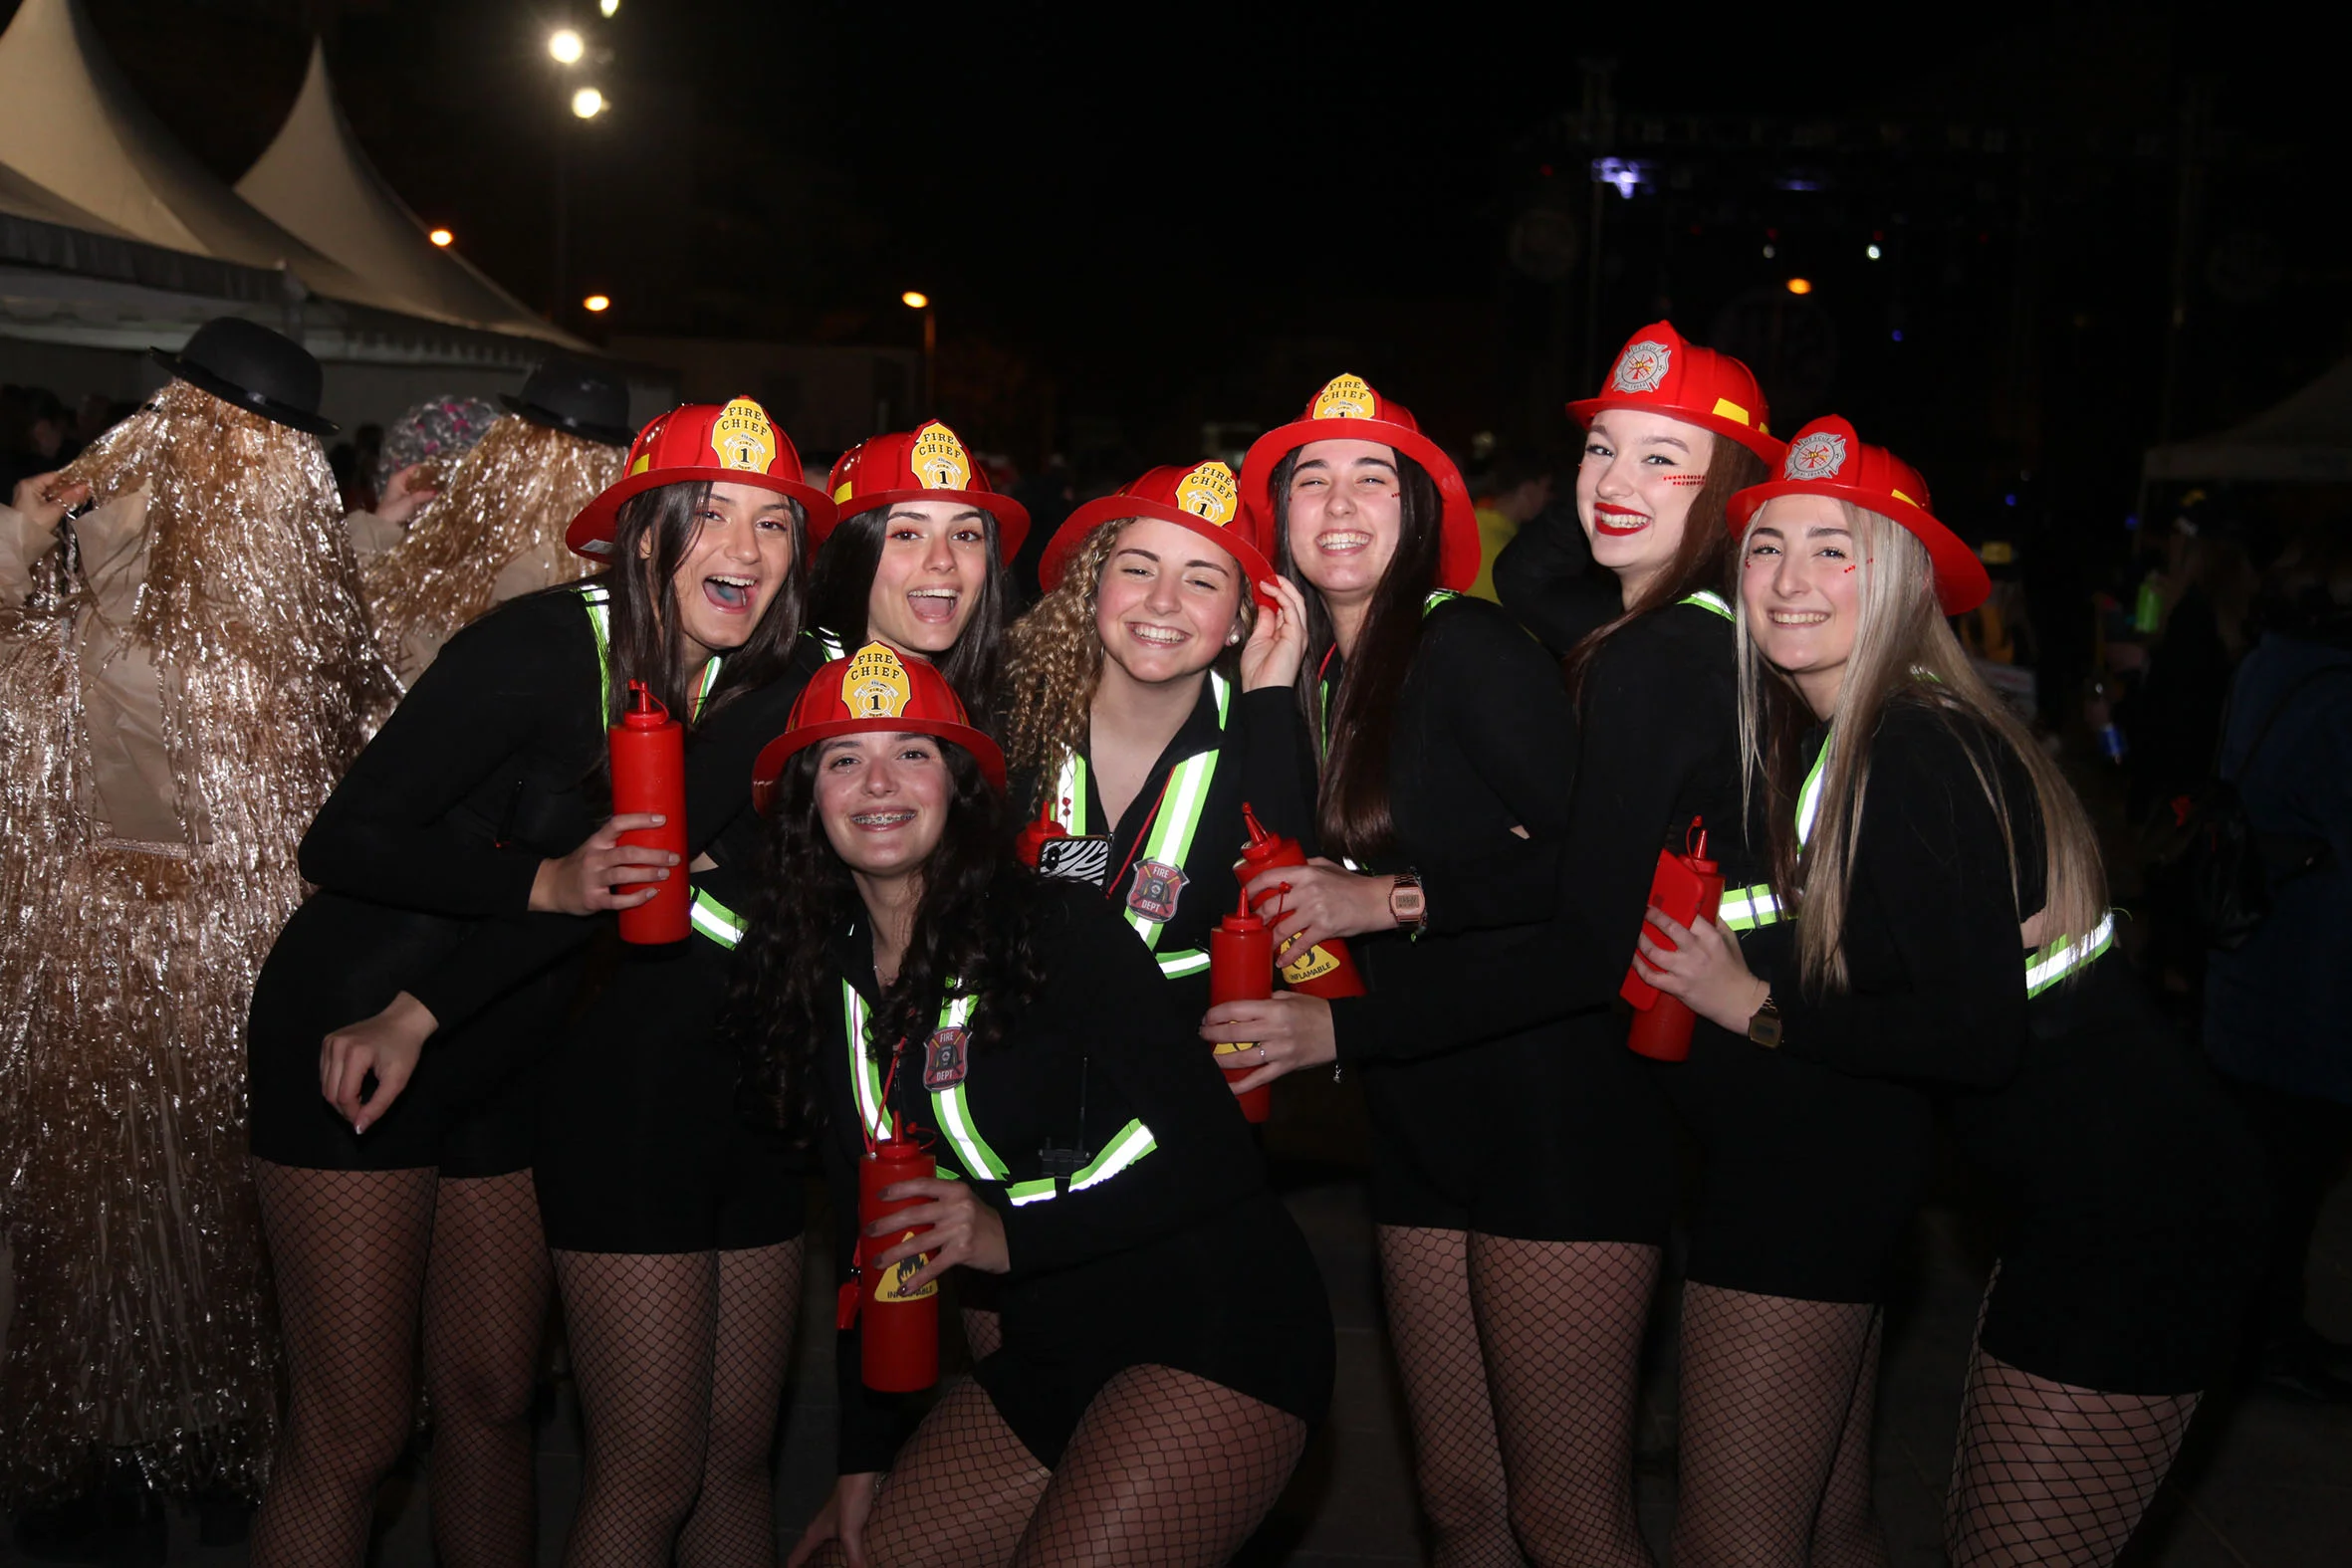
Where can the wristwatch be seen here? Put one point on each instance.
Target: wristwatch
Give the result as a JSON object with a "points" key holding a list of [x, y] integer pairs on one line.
{"points": [[1764, 1028], [1408, 906]]}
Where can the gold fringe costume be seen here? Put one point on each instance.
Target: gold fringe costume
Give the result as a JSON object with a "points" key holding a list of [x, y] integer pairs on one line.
{"points": [[494, 533], [175, 707]]}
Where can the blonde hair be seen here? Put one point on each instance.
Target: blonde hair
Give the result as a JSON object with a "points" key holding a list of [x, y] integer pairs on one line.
{"points": [[1903, 648], [1053, 664]]}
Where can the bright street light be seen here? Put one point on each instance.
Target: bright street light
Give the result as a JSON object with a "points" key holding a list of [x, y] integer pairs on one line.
{"points": [[1871, 252], [587, 102], [1800, 285], [441, 237], [611, 8], [914, 300], [595, 303], [566, 47]]}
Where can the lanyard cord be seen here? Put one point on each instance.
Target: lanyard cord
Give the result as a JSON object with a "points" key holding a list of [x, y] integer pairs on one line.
{"points": [[1142, 838]]}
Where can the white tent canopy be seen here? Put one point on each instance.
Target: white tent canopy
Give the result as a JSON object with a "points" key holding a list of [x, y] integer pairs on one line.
{"points": [[71, 126], [2307, 438], [317, 183]]}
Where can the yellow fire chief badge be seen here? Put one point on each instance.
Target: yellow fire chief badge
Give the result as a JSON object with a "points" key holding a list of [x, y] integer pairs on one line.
{"points": [[875, 686], [1208, 493], [1343, 397], [742, 438], [939, 458]]}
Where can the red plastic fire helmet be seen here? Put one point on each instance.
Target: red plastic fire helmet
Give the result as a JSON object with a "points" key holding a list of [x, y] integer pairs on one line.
{"points": [[927, 463], [1661, 371], [1203, 497], [735, 443], [1828, 459], [1348, 409], [873, 690]]}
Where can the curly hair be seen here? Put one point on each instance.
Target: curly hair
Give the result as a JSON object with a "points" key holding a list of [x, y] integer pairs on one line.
{"points": [[1054, 662], [972, 937]]}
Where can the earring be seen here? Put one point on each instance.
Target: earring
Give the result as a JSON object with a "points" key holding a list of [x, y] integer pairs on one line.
{"points": [[1233, 639]]}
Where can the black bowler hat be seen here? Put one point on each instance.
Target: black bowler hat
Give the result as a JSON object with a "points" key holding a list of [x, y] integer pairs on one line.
{"points": [[577, 399], [244, 362]]}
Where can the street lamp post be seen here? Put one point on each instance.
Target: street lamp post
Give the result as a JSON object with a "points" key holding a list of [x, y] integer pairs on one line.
{"points": [[916, 300]]}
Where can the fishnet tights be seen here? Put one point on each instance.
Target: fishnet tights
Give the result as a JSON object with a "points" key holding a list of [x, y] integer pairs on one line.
{"points": [[1767, 1382], [1456, 1456], [677, 1457], [358, 1254], [1846, 1532], [2051, 1473], [1165, 1469], [487, 1287], [983, 1331], [349, 1250], [1562, 1323]]}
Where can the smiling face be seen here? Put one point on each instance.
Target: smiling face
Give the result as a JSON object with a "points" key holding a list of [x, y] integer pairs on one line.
{"points": [[1634, 488], [934, 561], [1347, 515], [1803, 593], [740, 556], [1167, 602], [883, 800]]}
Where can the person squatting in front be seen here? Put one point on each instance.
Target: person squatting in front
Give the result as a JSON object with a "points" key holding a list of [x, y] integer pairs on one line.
{"points": [[1166, 1338], [461, 867], [1951, 930], [1520, 1185], [917, 562]]}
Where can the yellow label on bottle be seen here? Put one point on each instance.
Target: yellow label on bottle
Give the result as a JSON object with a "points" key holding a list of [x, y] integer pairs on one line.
{"points": [[892, 1285], [1233, 1047], [1313, 966]]}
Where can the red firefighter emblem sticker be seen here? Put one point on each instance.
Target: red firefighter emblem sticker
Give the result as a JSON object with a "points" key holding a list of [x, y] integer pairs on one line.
{"points": [[945, 1059], [1157, 886], [1817, 456]]}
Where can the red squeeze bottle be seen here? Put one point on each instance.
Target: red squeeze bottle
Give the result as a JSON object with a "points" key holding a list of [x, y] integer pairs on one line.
{"points": [[1240, 969], [1326, 971], [1688, 888], [1031, 845], [649, 774], [898, 1341]]}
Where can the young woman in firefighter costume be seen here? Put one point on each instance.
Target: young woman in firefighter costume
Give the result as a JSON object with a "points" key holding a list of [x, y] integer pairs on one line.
{"points": [[1951, 930], [1521, 1188], [918, 559], [1167, 1341], [463, 857], [1148, 699]]}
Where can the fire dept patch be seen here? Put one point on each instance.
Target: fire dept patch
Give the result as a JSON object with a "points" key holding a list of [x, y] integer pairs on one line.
{"points": [[1817, 456], [1156, 889], [944, 1059], [1641, 366]]}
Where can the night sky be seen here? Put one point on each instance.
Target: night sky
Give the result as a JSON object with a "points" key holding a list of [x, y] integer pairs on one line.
{"points": [[1136, 219]]}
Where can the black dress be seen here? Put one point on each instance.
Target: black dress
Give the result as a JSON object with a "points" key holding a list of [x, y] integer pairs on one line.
{"points": [[1250, 751], [2127, 1190], [1545, 1131], [1808, 1177], [1166, 1248]]}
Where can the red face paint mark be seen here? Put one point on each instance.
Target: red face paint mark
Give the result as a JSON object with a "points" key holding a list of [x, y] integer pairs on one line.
{"points": [[1849, 571], [1686, 478]]}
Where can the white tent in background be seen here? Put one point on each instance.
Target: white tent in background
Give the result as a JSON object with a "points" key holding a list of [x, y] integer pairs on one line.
{"points": [[317, 183], [2306, 439], [72, 126], [21, 198]]}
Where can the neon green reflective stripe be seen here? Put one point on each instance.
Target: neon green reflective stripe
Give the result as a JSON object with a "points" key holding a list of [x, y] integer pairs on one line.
{"points": [[1180, 812], [1745, 908], [1808, 799], [1070, 804], [829, 643], [955, 1114], [1436, 597], [598, 603], [866, 1078], [1187, 960], [716, 921], [1133, 1142], [1036, 1192], [2052, 962], [710, 678], [1708, 601]]}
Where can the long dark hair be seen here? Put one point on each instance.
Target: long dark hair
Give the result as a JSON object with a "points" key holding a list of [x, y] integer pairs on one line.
{"points": [[845, 585], [645, 646], [1703, 560], [1352, 813], [973, 927]]}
